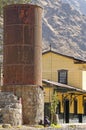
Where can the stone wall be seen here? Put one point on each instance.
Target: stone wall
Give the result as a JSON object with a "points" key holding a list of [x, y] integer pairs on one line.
{"points": [[10, 109], [33, 104], [32, 101]]}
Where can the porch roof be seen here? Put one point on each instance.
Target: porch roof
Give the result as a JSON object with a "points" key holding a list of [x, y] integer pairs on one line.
{"points": [[63, 87]]}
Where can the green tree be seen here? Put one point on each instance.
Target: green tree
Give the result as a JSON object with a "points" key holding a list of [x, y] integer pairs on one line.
{"points": [[7, 2], [54, 104]]}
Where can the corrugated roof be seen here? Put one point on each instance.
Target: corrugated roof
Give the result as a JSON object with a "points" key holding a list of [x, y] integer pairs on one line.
{"points": [[78, 60], [62, 87]]}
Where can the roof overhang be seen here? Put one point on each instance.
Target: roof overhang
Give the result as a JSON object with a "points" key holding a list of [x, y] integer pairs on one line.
{"points": [[76, 60], [63, 87]]}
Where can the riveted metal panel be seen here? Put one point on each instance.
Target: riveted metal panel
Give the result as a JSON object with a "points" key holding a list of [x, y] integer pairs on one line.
{"points": [[22, 45]]}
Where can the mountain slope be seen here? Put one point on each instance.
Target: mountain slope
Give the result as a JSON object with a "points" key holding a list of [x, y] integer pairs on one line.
{"points": [[64, 28], [79, 5]]}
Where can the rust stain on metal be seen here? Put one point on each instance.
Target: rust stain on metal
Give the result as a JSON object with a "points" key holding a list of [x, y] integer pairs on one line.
{"points": [[22, 45]]}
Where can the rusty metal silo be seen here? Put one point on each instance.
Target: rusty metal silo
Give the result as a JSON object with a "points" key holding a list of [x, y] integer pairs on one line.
{"points": [[22, 58], [22, 45]]}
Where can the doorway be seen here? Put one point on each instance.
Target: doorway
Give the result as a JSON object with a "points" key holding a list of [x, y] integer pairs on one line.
{"points": [[66, 111]]}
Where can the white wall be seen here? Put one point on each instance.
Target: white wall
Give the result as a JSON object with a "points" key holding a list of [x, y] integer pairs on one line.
{"points": [[84, 80]]}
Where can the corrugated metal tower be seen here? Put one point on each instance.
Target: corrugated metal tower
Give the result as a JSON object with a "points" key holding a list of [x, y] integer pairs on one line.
{"points": [[22, 58]]}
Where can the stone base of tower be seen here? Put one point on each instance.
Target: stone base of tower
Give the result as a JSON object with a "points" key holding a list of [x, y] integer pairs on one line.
{"points": [[32, 99]]}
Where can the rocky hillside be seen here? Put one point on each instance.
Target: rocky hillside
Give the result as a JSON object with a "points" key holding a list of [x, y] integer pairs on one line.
{"points": [[79, 5], [64, 28]]}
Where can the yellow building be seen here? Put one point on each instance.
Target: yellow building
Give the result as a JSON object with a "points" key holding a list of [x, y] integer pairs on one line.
{"points": [[67, 76]]}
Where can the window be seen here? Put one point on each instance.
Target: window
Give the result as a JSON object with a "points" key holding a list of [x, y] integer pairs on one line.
{"points": [[62, 76]]}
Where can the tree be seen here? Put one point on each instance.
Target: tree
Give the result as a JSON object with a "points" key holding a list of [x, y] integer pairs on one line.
{"points": [[7, 2], [54, 104]]}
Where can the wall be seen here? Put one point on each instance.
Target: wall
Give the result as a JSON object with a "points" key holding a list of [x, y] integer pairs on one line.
{"points": [[48, 92], [10, 109], [32, 101], [53, 62], [71, 98], [84, 80]]}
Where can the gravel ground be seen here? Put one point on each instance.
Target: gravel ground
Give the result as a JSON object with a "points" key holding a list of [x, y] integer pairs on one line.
{"points": [[70, 126]]}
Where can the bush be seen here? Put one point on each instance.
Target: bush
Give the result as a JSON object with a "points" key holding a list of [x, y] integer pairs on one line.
{"points": [[56, 126]]}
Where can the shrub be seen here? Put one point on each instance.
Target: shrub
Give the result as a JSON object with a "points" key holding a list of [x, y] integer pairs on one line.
{"points": [[56, 126]]}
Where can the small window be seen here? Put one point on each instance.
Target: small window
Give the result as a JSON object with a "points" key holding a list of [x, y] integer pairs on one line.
{"points": [[62, 76]]}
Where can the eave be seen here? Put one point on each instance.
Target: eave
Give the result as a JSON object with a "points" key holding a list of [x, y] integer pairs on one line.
{"points": [[62, 87]]}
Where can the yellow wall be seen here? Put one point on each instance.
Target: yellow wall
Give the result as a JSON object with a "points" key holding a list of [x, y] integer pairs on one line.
{"points": [[60, 98], [53, 62], [84, 80], [80, 104], [48, 92]]}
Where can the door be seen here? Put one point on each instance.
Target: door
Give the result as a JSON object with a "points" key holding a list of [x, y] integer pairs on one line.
{"points": [[66, 111]]}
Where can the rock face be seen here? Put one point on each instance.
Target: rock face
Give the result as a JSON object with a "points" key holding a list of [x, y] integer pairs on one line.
{"points": [[10, 109], [64, 28], [79, 5]]}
